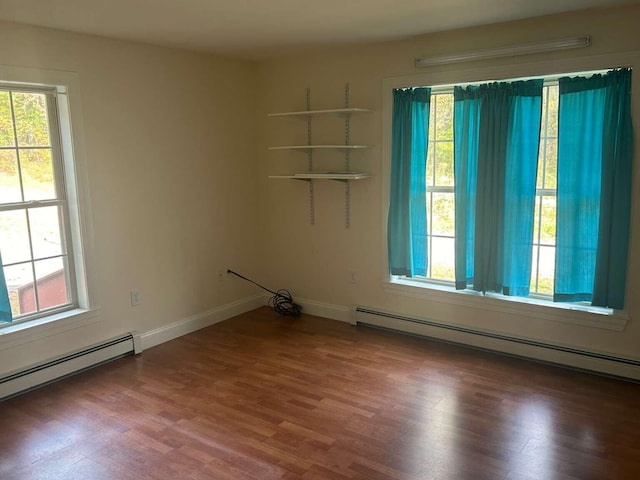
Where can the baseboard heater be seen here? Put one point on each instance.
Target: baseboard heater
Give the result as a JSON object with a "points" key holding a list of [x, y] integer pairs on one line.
{"points": [[520, 347], [75, 362]]}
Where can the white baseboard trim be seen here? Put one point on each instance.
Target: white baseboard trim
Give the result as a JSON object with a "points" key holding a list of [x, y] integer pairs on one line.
{"points": [[608, 364], [327, 310], [196, 322]]}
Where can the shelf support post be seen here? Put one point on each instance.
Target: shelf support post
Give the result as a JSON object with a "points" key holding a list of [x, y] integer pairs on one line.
{"points": [[312, 211], [347, 157]]}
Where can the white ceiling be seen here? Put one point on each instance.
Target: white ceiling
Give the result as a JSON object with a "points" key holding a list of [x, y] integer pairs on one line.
{"points": [[262, 28]]}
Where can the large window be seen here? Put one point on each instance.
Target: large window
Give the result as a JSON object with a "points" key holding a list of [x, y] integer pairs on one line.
{"points": [[527, 186], [441, 199], [36, 231]]}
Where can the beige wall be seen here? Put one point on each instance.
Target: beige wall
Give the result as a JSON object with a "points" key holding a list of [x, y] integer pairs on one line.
{"points": [[171, 167], [177, 164], [315, 261]]}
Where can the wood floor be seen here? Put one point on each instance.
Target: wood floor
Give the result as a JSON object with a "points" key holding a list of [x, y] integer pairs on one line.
{"points": [[266, 397]]}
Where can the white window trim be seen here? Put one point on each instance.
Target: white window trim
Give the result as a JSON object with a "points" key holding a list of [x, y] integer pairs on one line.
{"points": [[521, 308], [77, 187], [20, 333], [518, 306]]}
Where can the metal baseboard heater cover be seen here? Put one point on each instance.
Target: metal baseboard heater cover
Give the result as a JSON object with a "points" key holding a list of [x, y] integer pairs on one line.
{"points": [[610, 365], [75, 362]]}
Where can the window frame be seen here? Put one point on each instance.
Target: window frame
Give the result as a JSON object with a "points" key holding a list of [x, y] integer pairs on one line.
{"points": [[60, 201], [541, 192], [447, 76], [65, 90], [434, 187]]}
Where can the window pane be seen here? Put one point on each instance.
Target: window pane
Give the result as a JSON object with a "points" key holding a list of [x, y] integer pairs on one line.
{"points": [[540, 172], [20, 285], [429, 255], [551, 158], [543, 119], [14, 237], [37, 174], [430, 164], [429, 213], [553, 99], [6, 123], [443, 214], [536, 220], [9, 179], [442, 258], [444, 113], [547, 269], [52, 287], [534, 269], [32, 124], [45, 232], [444, 163], [548, 139], [432, 118], [548, 224]]}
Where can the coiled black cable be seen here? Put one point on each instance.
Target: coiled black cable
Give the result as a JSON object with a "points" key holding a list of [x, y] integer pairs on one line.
{"points": [[281, 302]]}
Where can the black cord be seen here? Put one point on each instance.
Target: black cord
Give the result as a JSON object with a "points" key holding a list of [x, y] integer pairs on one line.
{"points": [[281, 302]]}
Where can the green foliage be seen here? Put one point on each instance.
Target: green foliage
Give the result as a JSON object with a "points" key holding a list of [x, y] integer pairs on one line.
{"points": [[443, 153], [32, 124], [29, 115], [8, 163], [442, 113], [442, 272], [441, 208], [440, 151], [545, 285], [6, 124]]}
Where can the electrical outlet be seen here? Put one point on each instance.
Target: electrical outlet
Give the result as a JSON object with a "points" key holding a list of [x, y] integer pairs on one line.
{"points": [[353, 276], [136, 298]]}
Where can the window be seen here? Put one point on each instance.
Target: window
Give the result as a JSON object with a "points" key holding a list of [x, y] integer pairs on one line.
{"points": [[527, 187], [441, 201], [544, 225], [39, 226], [440, 195]]}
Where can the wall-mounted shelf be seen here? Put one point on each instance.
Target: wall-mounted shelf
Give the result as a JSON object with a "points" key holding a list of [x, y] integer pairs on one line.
{"points": [[345, 148], [306, 148], [324, 176], [303, 114]]}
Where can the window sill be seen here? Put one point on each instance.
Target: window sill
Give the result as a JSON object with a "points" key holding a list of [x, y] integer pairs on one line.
{"points": [[530, 307], [19, 333]]}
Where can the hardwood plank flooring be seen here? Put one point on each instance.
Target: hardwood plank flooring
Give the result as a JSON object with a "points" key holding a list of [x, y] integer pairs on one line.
{"points": [[266, 397]]}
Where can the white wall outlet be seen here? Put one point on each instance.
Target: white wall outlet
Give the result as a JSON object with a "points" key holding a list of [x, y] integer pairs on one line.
{"points": [[136, 298], [353, 276]]}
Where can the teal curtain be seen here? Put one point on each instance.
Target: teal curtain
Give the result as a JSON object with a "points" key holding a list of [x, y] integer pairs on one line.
{"points": [[5, 306], [520, 185], [466, 116], [496, 137], [595, 155], [407, 221]]}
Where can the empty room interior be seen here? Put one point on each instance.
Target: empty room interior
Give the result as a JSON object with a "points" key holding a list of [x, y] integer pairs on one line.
{"points": [[324, 240]]}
